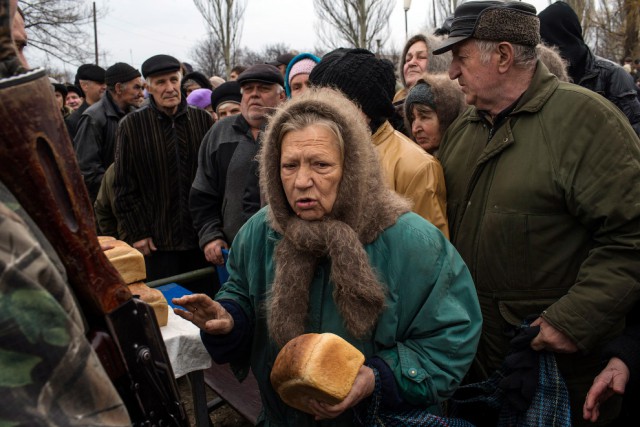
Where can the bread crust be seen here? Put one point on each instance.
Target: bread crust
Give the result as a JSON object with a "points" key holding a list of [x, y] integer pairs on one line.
{"points": [[154, 298], [319, 366], [128, 261]]}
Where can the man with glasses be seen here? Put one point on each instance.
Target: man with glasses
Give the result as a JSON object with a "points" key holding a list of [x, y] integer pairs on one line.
{"points": [[226, 181], [95, 140]]}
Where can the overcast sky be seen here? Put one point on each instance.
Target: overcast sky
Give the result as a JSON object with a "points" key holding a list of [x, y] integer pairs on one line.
{"points": [[132, 31]]}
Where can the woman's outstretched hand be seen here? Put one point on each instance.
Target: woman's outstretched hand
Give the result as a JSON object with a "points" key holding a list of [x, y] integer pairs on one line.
{"points": [[205, 313]]}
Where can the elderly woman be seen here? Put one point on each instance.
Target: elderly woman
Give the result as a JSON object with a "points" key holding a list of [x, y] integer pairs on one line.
{"points": [[336, 251], [417, 58], [433, 103]]}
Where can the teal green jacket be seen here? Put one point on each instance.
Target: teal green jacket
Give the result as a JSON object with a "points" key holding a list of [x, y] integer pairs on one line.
{"points": [[427, 334]]}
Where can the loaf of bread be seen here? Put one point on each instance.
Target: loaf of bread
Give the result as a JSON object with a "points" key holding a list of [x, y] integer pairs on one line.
{"points": [[320, 366], [128, 261], [154, 298]]}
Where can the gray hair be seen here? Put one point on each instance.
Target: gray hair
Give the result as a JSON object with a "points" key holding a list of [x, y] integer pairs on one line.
{"points": [[304, 120], [524, 56]]}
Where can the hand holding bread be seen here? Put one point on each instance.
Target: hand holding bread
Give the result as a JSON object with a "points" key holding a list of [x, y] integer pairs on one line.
{"points": [[321, 374], [205, 313], [363, 387]]}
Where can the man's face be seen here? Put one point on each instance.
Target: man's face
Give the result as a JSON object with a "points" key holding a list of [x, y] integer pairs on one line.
{"points": [[165, 89], [283, 69], [233, 76], [92, 90], [479, 82], [258, 100], [299, 84], [74, 100], [228, 109], [131, 92], [19, 37]]}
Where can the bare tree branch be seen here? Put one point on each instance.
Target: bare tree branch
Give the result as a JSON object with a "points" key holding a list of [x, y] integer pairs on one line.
{"points": [[224, 18], [354, 23], [58, 28]]}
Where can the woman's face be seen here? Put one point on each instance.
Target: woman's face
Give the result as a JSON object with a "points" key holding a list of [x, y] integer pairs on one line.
{"points": [[425, 128], [415, 63], [311, 171]]}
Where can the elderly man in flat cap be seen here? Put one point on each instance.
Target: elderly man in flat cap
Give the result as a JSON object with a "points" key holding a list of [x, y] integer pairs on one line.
{"points": [[96, 135], [541, 198], [156, 162], [90, 79], [225, 191]]}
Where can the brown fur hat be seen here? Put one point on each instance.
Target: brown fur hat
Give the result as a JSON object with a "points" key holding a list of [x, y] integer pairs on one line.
{"points": [[448, 99], [364, 207]]}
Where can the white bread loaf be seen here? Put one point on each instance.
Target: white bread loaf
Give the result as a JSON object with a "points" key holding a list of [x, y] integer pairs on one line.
{"points": [[154, 298], [128, 261], [320, 366]]}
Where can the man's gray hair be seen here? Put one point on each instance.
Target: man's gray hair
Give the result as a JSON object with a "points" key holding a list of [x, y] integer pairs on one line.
{"points": [[524, 56]]}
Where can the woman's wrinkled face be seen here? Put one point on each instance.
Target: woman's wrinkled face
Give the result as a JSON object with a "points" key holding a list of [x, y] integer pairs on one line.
{"points": [[425, 128], [311, 171], [415, 63]]}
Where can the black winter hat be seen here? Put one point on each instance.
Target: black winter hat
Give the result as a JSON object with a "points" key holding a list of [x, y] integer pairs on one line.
{"points": [[197, 77], [59, 87], [120, 73], [365, 79], [75, 89], [159, 64], [226, 92], [90, 72]]}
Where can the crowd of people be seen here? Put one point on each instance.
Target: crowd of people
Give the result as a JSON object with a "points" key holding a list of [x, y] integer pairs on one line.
{"points": [[427, 213]]}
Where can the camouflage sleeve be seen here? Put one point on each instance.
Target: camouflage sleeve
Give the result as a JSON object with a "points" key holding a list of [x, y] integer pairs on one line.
{"points": [[49, 374]]}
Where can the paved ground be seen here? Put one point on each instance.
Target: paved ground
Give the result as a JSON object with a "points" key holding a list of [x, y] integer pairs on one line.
{"points": [[224, 416]]}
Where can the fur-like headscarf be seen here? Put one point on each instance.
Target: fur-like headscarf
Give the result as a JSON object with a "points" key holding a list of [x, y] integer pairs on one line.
{"points": [[364, 207]]}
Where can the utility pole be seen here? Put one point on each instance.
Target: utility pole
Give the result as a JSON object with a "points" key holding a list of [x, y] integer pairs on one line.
{"points": [[95, 32]]}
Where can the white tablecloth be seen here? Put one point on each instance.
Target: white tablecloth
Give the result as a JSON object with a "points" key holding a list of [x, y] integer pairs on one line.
{"points": [[185, 349]]}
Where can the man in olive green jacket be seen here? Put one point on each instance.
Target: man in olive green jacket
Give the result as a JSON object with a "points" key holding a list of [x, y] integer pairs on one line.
{"points": [[543, 198]]}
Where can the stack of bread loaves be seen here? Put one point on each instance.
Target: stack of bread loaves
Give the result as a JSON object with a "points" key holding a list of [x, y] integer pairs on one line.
{"points": [[130, 264], [318, 366]]}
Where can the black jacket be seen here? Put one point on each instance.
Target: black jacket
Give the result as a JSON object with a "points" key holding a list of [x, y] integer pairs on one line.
{"points": [[156, 161], [95, 141], [224, 175], [614, 83]]}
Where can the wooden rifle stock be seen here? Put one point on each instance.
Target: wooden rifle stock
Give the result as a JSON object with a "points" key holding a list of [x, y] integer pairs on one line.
{"points": [[38, 165]]}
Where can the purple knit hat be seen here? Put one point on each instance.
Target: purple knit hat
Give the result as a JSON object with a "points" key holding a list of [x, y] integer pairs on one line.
{"points": [[200, 98]]}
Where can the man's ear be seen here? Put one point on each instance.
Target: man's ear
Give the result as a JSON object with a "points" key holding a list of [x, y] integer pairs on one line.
{"points": [[506, 56], [283, 95]]}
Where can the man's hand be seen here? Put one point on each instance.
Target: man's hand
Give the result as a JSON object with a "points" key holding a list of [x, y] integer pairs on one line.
{"points": [[213, 251], [145, 246], [362, 388], [612, 379], [551, 339], [205, 313]]}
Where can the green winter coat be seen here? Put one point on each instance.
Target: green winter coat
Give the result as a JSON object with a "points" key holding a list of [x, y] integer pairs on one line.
{"points": [[546, 215], [427, 334]]}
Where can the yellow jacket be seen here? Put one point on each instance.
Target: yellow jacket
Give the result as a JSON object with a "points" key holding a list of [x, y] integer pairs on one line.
{"points": [[413, 173]]}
